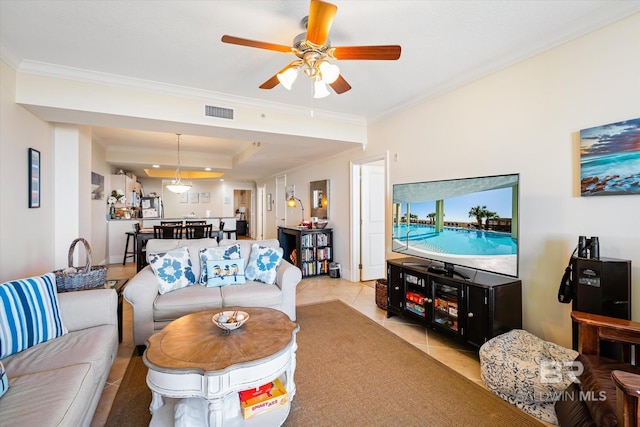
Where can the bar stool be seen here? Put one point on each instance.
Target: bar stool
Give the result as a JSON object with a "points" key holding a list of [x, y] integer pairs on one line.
{"points": [[127, 252]]}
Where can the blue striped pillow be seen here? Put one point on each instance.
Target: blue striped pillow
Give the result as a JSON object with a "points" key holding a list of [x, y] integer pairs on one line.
{"points": [[29, 313]]}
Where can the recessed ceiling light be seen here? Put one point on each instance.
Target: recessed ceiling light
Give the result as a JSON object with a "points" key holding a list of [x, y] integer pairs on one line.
{"points": [[156, 166], [221, 179], [207, 169]]}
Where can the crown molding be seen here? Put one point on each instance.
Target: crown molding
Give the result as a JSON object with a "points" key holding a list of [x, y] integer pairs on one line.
{"points": [[210, 97]]}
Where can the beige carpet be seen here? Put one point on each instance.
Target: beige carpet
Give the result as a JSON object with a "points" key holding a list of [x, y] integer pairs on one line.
{"points": [[353, 372]]}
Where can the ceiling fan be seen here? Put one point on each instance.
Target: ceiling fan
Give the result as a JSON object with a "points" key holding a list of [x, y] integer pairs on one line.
{"points": [[314, 51]]}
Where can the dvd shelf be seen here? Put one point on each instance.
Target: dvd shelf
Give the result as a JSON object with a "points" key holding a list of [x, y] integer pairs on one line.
{"points": [[310, 250]]}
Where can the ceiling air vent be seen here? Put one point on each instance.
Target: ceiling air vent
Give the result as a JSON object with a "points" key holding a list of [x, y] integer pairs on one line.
{"points": [[222, 113]]}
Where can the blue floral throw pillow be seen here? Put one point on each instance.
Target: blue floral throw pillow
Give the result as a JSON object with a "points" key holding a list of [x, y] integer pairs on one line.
{"points": [[225, 272], [4, 381], [263, 264], [173, 269], [217, 253]]}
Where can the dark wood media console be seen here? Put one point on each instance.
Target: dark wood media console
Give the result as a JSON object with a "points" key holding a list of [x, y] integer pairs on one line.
{"points": [[470, 310]]}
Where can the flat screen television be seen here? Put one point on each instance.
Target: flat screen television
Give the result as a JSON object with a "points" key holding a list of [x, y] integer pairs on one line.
{"points": [[469, 222]]}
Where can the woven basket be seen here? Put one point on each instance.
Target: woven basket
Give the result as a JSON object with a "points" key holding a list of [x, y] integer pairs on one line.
{"points": [[84, 278], [381, 293]]}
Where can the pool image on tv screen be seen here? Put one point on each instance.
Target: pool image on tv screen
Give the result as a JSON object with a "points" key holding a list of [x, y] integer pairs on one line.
{"points": [[469, 222]]}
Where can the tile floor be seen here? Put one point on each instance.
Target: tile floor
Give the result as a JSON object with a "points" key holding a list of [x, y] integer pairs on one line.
{"points": [[361, 296]]}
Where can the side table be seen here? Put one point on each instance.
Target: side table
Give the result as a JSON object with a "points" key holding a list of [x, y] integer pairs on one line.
{"points": [[117, 285]]}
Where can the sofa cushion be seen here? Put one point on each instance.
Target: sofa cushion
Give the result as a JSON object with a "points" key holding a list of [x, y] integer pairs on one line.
{"points": [[217, 253], [194, 246], [4, 380], [252, 294], [29, 313], [173, 269], [263, 263], [185, 301], [57, 397], [225, 272], [93, 346]]}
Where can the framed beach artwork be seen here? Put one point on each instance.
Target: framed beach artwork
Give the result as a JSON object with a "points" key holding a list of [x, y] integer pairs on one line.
{"points": [[610, 159], [34, 178], [97, 186]]}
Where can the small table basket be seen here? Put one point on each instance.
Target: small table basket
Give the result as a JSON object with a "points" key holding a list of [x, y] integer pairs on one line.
{"points": [[86, 277]]}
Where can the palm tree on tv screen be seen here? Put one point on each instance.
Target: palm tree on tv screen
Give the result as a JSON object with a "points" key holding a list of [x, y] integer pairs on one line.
{"points": [[480, 212]]}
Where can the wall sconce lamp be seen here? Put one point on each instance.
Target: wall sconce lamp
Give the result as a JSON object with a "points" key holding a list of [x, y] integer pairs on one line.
{"points": [[291, 203]]}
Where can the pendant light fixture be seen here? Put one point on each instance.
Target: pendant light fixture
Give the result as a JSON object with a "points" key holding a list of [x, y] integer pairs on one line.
{"points": [[177, 186]]}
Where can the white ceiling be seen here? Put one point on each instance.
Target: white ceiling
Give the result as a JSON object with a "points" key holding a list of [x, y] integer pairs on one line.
{"points": [[445, 44]]}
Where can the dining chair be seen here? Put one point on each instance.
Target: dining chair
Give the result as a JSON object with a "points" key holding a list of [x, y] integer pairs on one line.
{"points": [[167, 231], [228, 227], [198, 231]]}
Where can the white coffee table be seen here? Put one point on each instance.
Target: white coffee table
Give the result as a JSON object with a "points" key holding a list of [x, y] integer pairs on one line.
{"points": [[196, 370]]}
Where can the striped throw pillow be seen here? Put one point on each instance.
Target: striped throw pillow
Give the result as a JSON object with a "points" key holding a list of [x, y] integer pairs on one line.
{"points": [[29, 313]]}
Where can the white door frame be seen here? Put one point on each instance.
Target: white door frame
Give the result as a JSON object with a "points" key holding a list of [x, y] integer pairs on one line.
{"points": [[258, 231], [355, 232]]}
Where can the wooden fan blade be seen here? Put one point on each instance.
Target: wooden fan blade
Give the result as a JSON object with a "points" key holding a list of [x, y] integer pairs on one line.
{"points": [[258, 44], [321, 16], [386, 52], [340, 85], [273, 81]]}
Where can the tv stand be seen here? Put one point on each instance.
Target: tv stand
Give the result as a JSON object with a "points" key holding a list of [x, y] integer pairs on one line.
{"points": [[469, 311]]}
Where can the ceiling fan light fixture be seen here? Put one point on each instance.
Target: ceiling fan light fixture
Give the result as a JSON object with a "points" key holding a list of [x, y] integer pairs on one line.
{"points": [[329, 72], [177, 186], [287, 77], [320, 89]]}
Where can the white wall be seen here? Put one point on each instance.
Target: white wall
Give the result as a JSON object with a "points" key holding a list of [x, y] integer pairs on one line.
{"points": [[524, 119], [26, 235], [99, 208]]}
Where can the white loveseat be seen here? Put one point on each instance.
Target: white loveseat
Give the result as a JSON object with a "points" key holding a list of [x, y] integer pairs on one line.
{"points": [[59, 382], [152, 311]]}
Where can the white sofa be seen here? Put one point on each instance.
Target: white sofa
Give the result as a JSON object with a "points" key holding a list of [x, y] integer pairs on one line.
{"points": [[59, 382], [152, 311]]}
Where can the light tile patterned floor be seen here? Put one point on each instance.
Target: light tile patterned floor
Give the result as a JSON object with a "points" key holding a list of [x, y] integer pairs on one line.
{"points": [[361, 296]]}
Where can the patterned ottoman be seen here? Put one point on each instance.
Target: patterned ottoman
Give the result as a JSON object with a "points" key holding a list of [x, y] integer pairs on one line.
{"points": [[510, 367]]}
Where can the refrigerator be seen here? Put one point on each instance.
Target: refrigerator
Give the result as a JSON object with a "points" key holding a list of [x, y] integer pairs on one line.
{"points": [[151, 207]]}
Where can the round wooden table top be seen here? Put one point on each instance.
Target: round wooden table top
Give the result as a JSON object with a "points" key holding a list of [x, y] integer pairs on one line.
{"points": [[195, 342]]}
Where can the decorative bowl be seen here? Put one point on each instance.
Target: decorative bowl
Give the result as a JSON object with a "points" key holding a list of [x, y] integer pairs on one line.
{"points": [[321, 224], [230, 320]]}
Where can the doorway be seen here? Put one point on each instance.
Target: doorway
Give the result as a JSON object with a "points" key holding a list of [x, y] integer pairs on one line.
{"points": [[369, 189]]}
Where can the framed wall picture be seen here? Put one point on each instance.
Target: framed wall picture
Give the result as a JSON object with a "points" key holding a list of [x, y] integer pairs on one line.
{"points": [[97, 186], [205, 197], [34, 178], [610, 159]]}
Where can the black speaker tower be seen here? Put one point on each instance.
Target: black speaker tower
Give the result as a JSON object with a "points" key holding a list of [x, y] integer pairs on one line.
{"points": [[601, 286]]}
